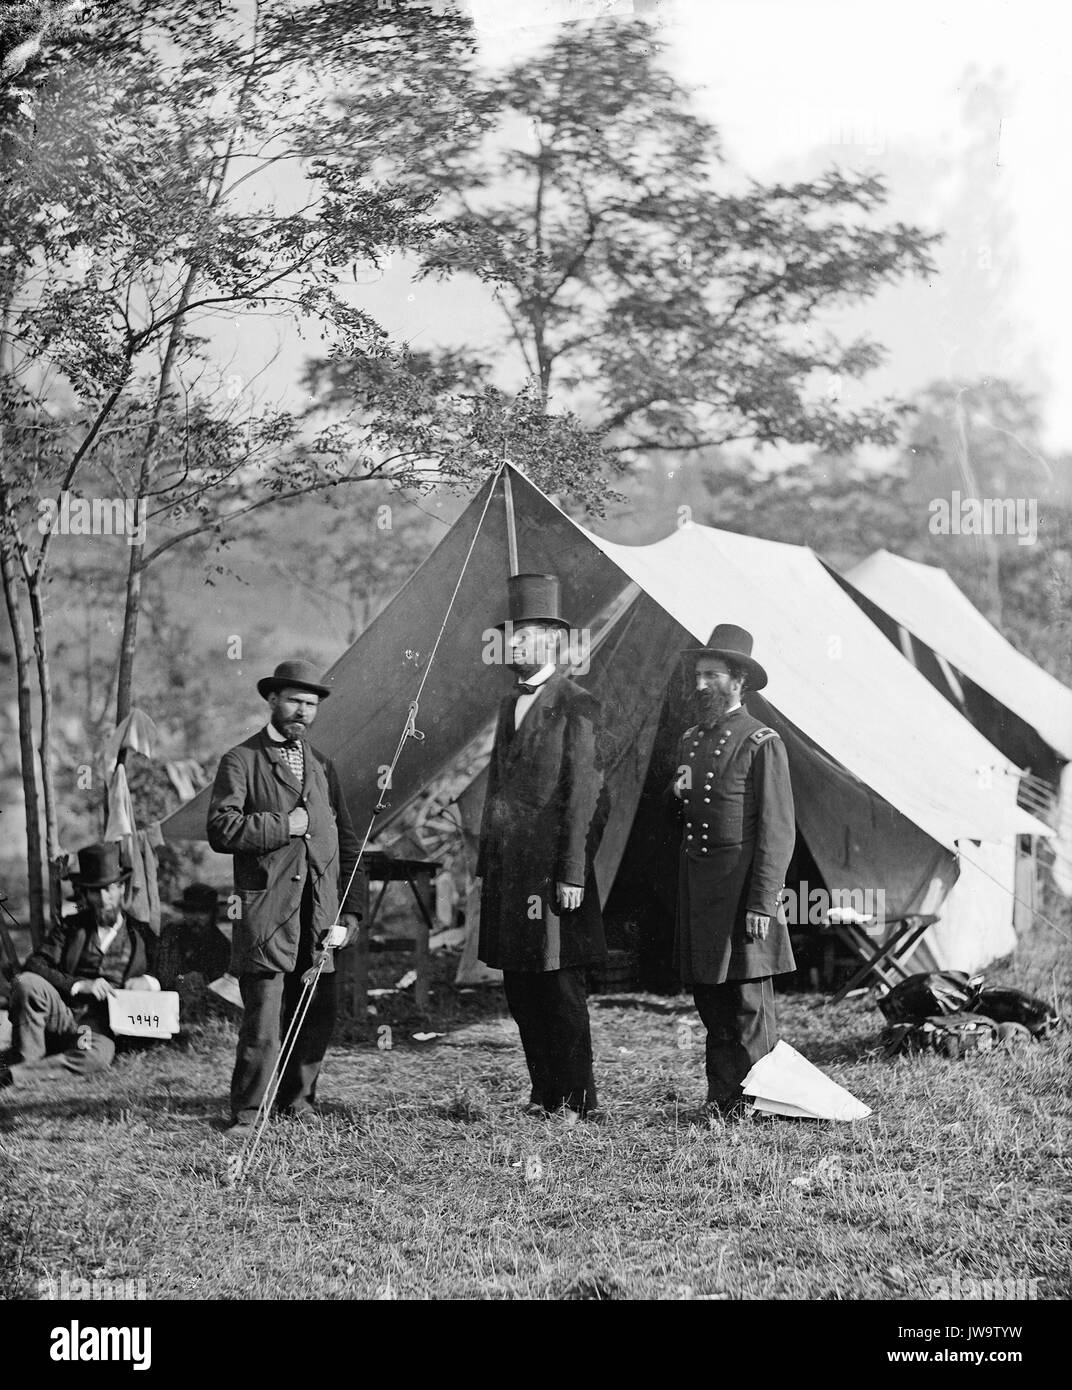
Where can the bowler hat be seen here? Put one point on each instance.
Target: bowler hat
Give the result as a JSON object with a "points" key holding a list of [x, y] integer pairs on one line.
{"points": [[732, 643], [533, 598], [98, 866], [293, 675]]}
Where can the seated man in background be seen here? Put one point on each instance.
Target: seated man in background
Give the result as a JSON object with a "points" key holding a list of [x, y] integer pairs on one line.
{"points": [[59, 1002]]}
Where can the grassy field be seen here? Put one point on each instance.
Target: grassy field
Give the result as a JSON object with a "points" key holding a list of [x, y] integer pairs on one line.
{"points": [[423, 1180]]}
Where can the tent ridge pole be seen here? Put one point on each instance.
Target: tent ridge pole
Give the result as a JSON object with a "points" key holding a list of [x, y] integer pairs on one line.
{"points": [[511, 525]]}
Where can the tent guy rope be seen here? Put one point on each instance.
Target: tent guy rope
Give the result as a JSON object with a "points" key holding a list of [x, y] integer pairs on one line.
{"points": [[239, 1164]]}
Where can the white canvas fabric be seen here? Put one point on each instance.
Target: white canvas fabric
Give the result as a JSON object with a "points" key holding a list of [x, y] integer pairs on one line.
{"points": [[928, 603], [976, 923]]}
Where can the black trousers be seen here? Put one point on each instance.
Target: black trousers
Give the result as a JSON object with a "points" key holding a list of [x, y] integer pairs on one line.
{"points": [[550, 1008], [270, 999], [742, 1027]]}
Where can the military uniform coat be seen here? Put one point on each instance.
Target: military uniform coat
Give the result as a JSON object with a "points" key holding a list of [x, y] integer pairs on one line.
{"points": [[544, 813], [248, 817], [738, 832]]}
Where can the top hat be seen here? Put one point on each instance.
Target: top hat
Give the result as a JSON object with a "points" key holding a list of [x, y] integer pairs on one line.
{"points": [[98, 866], [733, 643], [293, 675], [533, 598]]}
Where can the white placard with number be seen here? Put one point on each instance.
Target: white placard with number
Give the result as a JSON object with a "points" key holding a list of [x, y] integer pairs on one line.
{"points": [[141, 1013]]}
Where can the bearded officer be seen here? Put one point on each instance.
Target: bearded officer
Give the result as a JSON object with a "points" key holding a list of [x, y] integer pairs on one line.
{"points": [[737, 838]]}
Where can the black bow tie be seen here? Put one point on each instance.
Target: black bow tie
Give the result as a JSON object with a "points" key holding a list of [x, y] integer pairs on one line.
{"points": [[523, 689], [291, 744]]}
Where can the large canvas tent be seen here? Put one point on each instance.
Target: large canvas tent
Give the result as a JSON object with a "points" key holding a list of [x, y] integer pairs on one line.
{"points": [[895, 791], [1017, 706]]}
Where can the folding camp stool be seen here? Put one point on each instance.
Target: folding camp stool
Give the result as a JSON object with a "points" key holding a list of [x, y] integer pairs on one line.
{"points": [[881, 959]]}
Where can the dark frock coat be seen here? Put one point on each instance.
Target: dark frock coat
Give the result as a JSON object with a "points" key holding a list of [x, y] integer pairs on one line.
{"points": [[252, 797], [738, 832], [544, 813]]}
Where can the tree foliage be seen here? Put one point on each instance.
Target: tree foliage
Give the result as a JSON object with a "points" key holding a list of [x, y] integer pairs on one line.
{"points": [[143, 198], [668, 308]]}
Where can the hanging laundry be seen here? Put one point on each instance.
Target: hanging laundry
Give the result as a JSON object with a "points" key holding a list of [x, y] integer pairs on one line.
{"points": [[137, 732], [143, 893], [120, 808]]}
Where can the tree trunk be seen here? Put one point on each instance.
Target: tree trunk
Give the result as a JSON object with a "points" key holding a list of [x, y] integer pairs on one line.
{"points": [[132, 606], [28, 763], [44, 683], [11, 574], [131, 613]]}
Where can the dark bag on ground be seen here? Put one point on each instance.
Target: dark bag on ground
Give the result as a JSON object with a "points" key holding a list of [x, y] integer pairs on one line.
{"points": [[949, 1035], [933, 993], [1014, 1006]]}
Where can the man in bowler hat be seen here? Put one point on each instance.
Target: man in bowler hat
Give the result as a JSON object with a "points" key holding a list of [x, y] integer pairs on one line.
{"points": [[544, 811], [277, 807], [59, 1002], [738, 833]]}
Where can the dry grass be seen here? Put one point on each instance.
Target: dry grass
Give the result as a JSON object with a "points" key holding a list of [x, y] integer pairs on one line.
{"points": [[424, 1181]]}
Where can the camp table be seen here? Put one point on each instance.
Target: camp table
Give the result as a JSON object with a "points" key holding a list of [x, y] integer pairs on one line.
{"points": [[383, 869], [880, 958]]}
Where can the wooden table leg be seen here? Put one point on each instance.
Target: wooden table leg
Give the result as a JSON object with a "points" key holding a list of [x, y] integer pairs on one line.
{"points": [[421, 883], [352, 967]]}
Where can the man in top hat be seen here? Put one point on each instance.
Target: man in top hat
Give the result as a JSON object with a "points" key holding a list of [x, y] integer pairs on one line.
{"points": [[59, 1003], [737, 838], [544, 811], [277, 807]]}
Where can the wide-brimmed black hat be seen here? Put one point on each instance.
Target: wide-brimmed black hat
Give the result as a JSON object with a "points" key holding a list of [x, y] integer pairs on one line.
{"points": [[533, 598], [98, 866], [293, 675], [732, 643]]}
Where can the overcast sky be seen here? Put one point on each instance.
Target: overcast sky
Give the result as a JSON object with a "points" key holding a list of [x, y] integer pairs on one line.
{"points": [[962, 106]]}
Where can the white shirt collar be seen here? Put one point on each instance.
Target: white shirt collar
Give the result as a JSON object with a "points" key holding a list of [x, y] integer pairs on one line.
{"points": [[543, 674], [108, 934], [273, 733]]}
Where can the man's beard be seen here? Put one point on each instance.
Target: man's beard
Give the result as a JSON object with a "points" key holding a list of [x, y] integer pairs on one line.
{"points": [[107, 916], [710, 705], [523, 668], [290, 728]]}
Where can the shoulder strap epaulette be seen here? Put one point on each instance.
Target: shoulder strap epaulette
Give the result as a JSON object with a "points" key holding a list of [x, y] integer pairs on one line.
{"points": [[761, 735]]}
